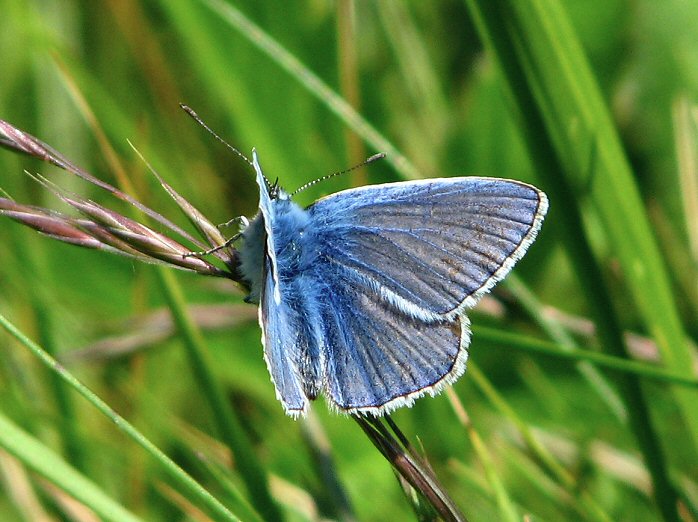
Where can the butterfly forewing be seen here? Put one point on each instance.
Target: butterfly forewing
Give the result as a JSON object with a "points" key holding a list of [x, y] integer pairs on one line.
{"points": [[430, 247]]}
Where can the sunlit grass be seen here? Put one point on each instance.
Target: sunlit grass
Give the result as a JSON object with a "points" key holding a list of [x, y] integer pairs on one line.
{"points": [[553, 437]]}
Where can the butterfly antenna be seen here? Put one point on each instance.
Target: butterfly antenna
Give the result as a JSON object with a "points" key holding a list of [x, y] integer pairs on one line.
{"points": [[365, 162], [198, 120]]}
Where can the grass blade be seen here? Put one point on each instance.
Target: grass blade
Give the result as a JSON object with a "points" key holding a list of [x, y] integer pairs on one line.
{"points": [[251, 471], [37, 456], [552, 85], [177, 474]]}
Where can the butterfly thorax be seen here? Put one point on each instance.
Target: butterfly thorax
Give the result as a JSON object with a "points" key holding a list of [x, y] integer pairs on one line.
{"points": [[289, 226], [291, 236]]}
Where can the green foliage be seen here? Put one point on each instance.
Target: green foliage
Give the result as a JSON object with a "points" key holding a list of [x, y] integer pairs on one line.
{"points": [[593, 102]]}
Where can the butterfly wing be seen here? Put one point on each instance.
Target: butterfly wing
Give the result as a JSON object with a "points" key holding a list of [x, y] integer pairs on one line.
{"points": [[378, 358], [432, 248], [266, 209], [280, 341], [401, 262], [289, 344], [288, 311]]}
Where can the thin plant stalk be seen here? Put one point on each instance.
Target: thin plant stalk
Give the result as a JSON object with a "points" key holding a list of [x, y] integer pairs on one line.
{"points": [[410, 466]]}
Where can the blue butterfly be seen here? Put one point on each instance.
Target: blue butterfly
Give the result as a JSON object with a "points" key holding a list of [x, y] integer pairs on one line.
{"points": [[363, 294]]}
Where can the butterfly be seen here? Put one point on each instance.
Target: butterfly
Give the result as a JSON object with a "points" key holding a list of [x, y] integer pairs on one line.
{"points": [[362, 295]]}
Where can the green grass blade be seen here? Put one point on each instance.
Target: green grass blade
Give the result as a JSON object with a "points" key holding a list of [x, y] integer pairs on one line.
{"points": [[576, 149], [587, 504], [177, 474], [555, 331], [314, 84], [73, 443], [496, 337], [44, 461], [251, 470], [234, 495], [507, 509]]}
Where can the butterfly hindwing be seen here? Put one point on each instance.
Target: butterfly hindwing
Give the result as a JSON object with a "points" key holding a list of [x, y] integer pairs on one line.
{"points": [[280, 338], [377, 358]]}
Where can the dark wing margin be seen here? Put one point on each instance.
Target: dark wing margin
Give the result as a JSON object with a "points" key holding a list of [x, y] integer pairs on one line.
{"points": [[431, 248]]}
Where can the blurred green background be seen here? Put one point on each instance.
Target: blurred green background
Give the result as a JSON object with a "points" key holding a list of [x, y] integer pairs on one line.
{"points": [[558, 441]]}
